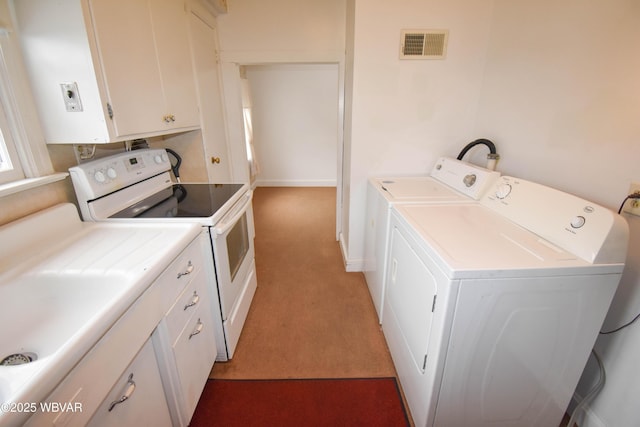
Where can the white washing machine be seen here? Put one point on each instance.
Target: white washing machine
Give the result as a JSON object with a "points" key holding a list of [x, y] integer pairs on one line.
{"points": [[450, 181], [492, 308]]}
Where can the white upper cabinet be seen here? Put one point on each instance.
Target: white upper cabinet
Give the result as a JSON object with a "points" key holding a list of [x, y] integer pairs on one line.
{"points": [[124, 65]]}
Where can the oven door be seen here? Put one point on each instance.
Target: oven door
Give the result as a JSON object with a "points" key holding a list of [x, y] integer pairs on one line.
{"points": [[232, 240]]}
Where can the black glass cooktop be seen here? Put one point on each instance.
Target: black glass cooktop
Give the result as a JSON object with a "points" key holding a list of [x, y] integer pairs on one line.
{"points": [[182, 201]]}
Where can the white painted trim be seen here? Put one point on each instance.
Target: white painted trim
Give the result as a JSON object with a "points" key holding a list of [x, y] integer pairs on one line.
{"points": [[296, 183], [349, 265], [258, 57]]}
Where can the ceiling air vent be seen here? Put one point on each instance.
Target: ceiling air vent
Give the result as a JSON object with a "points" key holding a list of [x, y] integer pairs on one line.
{"points": [[423, 44]]}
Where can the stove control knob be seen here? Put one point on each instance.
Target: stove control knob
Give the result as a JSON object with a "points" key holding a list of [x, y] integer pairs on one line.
{"points": [[111, 173], [99, 176], [469, 180], [578, 221], [503, 191]]}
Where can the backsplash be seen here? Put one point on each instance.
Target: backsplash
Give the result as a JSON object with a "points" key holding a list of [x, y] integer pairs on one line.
{"points": [[17, 205]]}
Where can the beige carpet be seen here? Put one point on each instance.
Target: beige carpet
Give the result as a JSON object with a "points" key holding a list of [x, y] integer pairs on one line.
{"points": [[309, 318]]}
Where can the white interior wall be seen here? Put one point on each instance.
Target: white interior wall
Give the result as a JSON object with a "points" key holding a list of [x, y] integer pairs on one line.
{"points": [[563, 102], [406, 113], [295, 123]]}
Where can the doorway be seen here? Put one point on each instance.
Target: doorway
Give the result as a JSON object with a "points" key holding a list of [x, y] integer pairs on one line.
{"points": [[296, 125]]}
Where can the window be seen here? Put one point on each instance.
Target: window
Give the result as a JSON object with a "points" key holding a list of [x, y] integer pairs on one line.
{"points": [[10, 168], [24, 158]]}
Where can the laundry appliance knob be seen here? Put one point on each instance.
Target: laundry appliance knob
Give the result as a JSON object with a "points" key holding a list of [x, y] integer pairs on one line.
{"points": [[503, 191]]}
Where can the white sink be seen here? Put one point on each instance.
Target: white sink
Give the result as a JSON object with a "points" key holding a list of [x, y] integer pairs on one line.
{"points": [[47, 317]]}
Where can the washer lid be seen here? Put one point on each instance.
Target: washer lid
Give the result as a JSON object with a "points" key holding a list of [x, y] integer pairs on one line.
{"points": [[417, 189]]}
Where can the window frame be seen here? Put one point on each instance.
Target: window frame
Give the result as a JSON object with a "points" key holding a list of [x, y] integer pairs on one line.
{"points": [[20, 123], [7, 143]]}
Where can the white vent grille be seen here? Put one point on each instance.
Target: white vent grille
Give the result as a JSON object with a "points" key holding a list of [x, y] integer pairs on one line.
{"points": [[423, 44]]}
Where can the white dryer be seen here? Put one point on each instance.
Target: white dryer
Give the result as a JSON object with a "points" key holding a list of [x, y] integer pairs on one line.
{"points": [[492, 308], [450, 181]]}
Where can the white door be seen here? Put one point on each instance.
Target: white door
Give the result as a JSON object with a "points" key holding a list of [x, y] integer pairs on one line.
{"points": [[204, 42], [407, 322]]}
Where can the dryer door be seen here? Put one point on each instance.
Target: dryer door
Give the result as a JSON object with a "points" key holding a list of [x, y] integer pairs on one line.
{"points": [[407, 322]]}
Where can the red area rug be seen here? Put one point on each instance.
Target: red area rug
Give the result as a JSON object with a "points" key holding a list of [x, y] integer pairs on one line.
{"points": [[301, 402]]}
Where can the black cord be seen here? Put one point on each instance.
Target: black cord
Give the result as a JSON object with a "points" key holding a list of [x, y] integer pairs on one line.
{"points": [[622, 205], [620, 327], [634, 196]]}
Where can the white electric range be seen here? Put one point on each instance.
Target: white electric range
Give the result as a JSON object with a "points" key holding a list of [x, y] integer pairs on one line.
{"points": [[137, 186]]}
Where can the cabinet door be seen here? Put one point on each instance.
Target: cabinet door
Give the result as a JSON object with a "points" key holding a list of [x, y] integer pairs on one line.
{"points": [[124, 34], [204, 39], [145, 403], [171, 32], [195, 352]]}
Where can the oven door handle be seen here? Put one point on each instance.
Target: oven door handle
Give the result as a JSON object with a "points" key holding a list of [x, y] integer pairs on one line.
{"points": [[227, 223]]}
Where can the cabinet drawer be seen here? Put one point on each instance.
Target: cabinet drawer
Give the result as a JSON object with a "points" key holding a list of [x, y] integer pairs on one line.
{"points": [[137, 397], [188, 303], [181, 272], [195, 353]]}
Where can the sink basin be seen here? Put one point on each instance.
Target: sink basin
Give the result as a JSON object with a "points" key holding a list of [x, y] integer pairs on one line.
{"points": [[46, 312], [47, 318]]}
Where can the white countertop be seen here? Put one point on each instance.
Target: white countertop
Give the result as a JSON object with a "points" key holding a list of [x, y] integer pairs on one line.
{"points": [[65, 284]]}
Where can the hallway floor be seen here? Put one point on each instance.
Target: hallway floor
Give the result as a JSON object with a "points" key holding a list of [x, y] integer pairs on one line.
{"points": [[309, 318]]}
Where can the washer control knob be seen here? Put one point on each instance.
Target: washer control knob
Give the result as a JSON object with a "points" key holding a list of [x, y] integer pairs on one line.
{"points": [[578, 221], [99, 176], [158, 159], [503, 191], [111, 173], [469, 180]]}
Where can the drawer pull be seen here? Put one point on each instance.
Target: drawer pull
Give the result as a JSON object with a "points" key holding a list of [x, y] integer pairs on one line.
{"points": [[189, 270], [131, 387], [197, 330], [194, 300]]}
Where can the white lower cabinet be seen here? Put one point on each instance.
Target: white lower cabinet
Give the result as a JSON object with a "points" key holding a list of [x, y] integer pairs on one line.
{"points": [[158, 355], [186, 349], [137, 397]]}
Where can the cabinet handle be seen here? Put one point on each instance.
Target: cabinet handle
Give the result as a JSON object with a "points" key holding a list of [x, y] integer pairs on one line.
{"points": [[131, 387], [169, 118], [197, 330], [189, 270], [194, 300], [215, 160]]}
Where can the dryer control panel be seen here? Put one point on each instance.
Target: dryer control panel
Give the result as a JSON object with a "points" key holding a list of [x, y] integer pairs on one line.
{"points": [[594, 233], [471, 180]]}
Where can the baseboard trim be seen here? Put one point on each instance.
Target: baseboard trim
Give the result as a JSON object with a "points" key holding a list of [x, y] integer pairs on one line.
{"points": [[296, 183], [349, 265]]}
